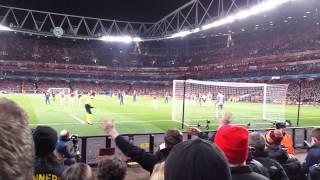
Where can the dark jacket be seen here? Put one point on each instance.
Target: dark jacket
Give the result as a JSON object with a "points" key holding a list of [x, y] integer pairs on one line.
{"points": [[256, 166], [292, 166], [145, 159], [43, 168], [277, 153], [275, 170], [314, 172], [294, 169], [312, 158], [245, 173]]}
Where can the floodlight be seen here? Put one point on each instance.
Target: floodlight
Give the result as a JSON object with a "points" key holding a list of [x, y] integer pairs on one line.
{"points": [[220, 22], [184, 33], [120, 39], [4, 28], [262, 7], [136, 39], [196, 30], [180, 34]]}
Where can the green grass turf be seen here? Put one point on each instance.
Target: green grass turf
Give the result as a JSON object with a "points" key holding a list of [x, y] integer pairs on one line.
{"points": [[141, 117]]}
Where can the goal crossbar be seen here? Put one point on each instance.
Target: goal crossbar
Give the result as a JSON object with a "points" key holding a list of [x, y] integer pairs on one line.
{"points": [[228, 84]]}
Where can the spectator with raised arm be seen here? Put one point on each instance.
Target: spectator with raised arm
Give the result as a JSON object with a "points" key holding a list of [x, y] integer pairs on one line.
{"points": [[145, 159], [225, 120]]}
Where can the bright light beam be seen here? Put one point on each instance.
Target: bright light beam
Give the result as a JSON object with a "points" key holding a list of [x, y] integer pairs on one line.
{"points": [[120, 39], [184, 33], [262, 7], [137, 39], [4, 28]]}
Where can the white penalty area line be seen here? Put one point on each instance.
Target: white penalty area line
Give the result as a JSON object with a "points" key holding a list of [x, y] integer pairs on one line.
{"points": [[78, 119], [94, 122], [181, 122], [128, 122]]}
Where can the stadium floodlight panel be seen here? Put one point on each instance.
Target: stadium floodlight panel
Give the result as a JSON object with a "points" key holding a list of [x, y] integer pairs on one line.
{"points": [[120, 39], [136, 39], [180, 34], [4, 28], [184, 33], [262, 7]]}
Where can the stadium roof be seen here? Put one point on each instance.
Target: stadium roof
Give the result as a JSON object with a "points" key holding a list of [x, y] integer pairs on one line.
{"points": [[128, 10], [126, 19]]}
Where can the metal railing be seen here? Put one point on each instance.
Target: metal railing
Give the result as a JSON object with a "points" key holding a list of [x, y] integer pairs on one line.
{"points": [[89, 145]]}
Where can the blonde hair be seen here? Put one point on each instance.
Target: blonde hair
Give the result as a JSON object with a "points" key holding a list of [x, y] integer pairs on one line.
{"points": [[226, 118], [158, 172], [16, 143]]}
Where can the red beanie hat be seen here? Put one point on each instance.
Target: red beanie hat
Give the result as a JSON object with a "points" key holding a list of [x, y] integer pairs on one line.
{"points": [[233, 141]]}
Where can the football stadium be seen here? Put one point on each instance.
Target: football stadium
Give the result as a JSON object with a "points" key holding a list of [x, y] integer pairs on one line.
{"points": [[160, 90]]}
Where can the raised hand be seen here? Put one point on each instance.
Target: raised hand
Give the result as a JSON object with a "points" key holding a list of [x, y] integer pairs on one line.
{"points": [[109, 127]]}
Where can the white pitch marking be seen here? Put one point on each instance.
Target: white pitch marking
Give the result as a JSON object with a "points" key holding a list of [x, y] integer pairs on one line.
{"points": [[75, 117]]}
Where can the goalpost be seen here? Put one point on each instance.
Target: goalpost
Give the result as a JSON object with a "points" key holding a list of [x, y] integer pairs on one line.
{"points": [[58, 90], [194, 101]]}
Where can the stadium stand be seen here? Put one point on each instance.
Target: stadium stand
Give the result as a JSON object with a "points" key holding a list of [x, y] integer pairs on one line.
{"points": [[255, 54]]}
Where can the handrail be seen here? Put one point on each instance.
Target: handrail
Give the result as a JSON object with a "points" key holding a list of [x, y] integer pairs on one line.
{"points": [[108, 140]]}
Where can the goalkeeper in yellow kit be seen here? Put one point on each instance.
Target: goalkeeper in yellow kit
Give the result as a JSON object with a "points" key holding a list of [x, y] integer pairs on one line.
{"points": [[88, 106]]}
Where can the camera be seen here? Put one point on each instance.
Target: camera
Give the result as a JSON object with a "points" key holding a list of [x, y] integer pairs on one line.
{"points": [[75, 149], [74, 138], [68, 146], [281, 124]]}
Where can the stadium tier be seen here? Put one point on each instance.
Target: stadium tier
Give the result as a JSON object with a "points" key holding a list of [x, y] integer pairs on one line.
{"points": [[256, 55]]}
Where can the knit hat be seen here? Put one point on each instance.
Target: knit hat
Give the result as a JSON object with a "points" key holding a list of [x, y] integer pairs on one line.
{"points": [[233, 141], [45, 140], [196, 159], [173, 137], [274, 137]]}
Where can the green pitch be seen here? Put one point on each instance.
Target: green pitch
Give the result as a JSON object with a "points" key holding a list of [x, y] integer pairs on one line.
{"points": [[144, 116]]}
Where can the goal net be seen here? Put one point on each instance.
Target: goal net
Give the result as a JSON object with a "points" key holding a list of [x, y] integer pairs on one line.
{"points": [[199, 101], [58, 90]]}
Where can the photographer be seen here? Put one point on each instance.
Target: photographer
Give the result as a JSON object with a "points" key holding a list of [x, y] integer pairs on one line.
{"points": [[68, 147], [287, 139]]}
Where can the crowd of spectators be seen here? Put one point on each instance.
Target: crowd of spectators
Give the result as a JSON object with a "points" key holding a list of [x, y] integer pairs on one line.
{"points": [[190, 52], [231, 153], [254, 54], [25, 86], [310, 89]]}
